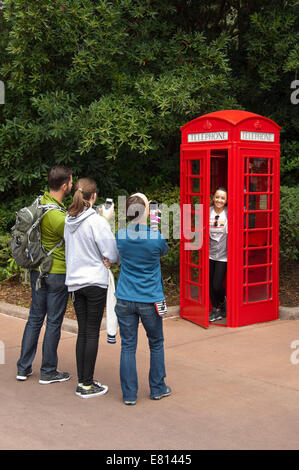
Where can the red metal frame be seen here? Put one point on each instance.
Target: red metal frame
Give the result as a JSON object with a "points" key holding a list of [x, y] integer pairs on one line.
{"points": [[241, 150]]}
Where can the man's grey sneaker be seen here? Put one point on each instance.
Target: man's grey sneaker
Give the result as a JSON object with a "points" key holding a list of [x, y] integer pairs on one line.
{"points": [[165, 394], [23, 375], [128, 402], [93, 390], [55, 376], [80, 388]]}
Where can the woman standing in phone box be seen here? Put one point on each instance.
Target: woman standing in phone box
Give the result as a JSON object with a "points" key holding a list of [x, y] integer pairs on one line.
{"points": [[218, 254]]}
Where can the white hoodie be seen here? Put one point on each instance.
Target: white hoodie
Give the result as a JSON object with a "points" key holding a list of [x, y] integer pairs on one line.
{"points": [[88, 239]]}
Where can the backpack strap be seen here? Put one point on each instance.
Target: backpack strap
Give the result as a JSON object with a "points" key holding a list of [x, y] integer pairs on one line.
{"points": [[48, 207]]}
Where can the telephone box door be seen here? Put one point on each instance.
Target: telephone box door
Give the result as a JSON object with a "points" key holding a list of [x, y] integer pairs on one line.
{"points": [[260, 239], [195, 192]]}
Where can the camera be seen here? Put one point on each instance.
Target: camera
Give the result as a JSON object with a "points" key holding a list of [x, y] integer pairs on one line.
{"points": [[108, 203], [155, 215]]}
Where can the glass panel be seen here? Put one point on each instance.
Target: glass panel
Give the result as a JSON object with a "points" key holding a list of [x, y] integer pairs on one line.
{"points": [[194, 274], [260, 220], [195, 167], [194, 292], [195, 185], [251, 220], [257, 257], [256, 293], [258, 184], [244, 295], [195, 257], [262, 203], [257, 238], [195, 200], [252, 202], [257, 275], [258, 202], [258, 165], [270, 273], [245, 276]]}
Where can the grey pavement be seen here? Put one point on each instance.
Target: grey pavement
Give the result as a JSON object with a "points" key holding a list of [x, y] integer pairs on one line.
{"points": [[233, 388]]}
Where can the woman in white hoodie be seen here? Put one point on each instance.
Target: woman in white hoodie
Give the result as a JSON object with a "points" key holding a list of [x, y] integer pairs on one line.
{"points": [[89, 242]]}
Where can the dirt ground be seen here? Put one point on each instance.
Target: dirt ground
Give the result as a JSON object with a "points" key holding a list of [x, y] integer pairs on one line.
{"points": [[18, 293]]}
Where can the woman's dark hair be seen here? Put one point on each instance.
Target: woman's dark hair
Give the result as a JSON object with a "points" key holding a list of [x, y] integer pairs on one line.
{"points": [[57, 176], [221, 188], [84, 189], [135, 207]]}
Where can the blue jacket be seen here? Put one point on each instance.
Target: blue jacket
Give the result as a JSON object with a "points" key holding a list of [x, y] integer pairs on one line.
{"points": [[140, 278]]}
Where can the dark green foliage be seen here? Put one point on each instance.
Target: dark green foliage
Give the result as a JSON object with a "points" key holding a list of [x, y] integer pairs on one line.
{"points": [[289, 223], [103, 87], [8, 267]]}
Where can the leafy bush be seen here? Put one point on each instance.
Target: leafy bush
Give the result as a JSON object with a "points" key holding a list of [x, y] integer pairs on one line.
{"points": [[289, 163], [8, 267], [289, 223]]}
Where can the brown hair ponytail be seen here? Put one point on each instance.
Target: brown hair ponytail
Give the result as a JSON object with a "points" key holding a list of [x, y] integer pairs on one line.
{"points": [[84, 189]]}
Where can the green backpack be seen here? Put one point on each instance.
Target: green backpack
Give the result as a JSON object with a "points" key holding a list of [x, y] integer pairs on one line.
{"points": [[26, 246]]}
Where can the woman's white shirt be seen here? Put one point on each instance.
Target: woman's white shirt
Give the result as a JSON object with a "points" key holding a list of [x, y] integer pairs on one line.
{"points": [[218, 235]]}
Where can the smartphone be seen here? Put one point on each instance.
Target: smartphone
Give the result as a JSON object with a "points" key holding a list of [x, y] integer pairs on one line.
{"points": [[108, 203], [153, 205]]}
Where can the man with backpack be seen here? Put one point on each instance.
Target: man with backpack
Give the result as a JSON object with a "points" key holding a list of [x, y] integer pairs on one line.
{"points": [[49, 292]]}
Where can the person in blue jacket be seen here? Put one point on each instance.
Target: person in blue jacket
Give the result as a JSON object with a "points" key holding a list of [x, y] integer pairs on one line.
{"points": [[139, 287]]}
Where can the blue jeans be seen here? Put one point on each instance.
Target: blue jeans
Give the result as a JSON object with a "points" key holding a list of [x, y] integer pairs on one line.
{"points": [[128, 314], [51, 300]]}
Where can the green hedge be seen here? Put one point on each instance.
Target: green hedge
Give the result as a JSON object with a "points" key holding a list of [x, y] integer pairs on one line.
{"points": [[289, 223]]}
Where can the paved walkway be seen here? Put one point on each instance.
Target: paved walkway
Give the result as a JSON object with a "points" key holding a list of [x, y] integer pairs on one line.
{"points": [[232, 389]]}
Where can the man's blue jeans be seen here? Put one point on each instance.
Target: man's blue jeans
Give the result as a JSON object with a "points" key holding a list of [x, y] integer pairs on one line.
{"points": [[51, 300], [128, 314]]}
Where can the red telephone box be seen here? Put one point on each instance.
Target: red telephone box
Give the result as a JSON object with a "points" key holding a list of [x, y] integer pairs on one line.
{"points": [[241, 151]]}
